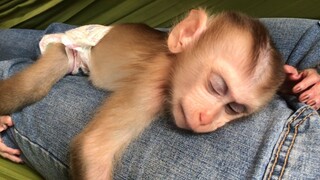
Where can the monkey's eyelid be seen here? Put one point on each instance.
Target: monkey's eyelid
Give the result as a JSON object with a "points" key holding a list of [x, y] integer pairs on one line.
{"points": [[216, 89], [240, 108], [235, 108], [211, 89], [220, 90], [218, 84], [229, 110]]}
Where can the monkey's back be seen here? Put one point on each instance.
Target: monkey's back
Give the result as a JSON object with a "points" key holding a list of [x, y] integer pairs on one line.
{"points": [[124, 53]]}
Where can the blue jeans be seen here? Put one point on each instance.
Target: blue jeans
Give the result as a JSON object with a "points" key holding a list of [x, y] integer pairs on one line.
{"points": [[282, 140]]}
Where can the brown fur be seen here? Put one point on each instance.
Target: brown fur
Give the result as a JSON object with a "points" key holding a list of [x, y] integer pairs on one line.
{"points": [[146, 69], [34, 82], [146, 83]]}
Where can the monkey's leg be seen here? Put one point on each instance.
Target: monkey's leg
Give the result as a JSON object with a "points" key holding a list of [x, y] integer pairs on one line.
{"points": [[33, 83]]}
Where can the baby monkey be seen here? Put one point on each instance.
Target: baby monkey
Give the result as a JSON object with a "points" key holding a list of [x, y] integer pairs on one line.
{"points": [[207, 71]]}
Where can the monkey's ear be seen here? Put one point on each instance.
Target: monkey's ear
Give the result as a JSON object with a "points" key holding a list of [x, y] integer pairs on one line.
{"points": [[187, 30]]}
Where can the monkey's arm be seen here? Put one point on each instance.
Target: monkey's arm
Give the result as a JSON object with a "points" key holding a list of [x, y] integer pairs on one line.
{"points": [[128, 111], [33, 83], [121, 119], [137, 73]]}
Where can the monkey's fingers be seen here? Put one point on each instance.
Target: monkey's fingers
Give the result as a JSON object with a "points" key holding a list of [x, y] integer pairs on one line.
{"points": [[310, 78]]}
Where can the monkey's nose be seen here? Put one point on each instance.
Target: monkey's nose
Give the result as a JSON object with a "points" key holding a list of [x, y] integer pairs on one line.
{"points": [[205, 118]]}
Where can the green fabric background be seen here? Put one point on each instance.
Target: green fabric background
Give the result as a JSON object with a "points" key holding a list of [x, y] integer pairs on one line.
{"points": [[38, 14]]}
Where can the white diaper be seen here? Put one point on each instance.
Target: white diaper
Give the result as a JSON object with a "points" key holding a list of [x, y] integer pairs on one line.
{"points": [[78, 44]]}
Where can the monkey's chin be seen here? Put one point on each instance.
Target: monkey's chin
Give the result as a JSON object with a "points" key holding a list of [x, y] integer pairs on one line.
{"points": [[180, 117]]}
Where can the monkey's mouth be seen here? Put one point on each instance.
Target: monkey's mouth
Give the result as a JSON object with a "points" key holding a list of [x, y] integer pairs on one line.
{"points": [[184, 117]]}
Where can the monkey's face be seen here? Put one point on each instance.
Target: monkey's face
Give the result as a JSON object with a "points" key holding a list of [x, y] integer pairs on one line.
{"points": [[211, 86]]}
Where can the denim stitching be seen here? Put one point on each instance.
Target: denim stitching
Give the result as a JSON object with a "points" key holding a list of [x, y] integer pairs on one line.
{"points": [[292, 143], [40, 147], [282, 142]]}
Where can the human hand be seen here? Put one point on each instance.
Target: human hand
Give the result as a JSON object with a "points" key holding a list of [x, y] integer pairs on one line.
{"points": [[305, 85], [5, 151]]}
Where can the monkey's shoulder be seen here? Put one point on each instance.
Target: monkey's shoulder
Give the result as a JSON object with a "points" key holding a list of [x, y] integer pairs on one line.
{"points": [[138, 38], [139, 34], [140, 30]]}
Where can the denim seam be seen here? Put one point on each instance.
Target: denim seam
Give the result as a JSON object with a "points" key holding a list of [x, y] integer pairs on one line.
{"points": [[40, 147], [280, 147], [292, 142], [281, 144]]}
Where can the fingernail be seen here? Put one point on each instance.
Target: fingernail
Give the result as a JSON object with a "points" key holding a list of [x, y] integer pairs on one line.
{"points": [[312, 103], [315, 107], [298, 89], [305, 97]]}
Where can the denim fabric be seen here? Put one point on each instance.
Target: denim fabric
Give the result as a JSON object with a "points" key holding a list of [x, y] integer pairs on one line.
{"points": [[282, 140], [240, 150], [297, 39], [296, 155]]}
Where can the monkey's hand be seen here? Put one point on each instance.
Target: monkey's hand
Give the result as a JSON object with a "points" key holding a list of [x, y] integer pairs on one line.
{"points": [[5, 151], [305, 85], [92, 158]]}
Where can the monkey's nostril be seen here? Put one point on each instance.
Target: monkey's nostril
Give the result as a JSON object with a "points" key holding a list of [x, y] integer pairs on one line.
{"points": [[204, 119]]}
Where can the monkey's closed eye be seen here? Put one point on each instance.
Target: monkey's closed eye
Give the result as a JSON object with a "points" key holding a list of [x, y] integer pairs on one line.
{"points": [[212, 89], [217, 86], [235, 108]]}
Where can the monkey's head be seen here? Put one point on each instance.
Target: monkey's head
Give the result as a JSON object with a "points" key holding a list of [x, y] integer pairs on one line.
{"points": [[226, 67]]}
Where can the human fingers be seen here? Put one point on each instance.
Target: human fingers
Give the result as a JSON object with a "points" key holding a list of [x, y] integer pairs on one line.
{"points": [[309, 78], [5, 122], [12, 158], [292, 73], [292, 78], [312, 96], [10, 153]]}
